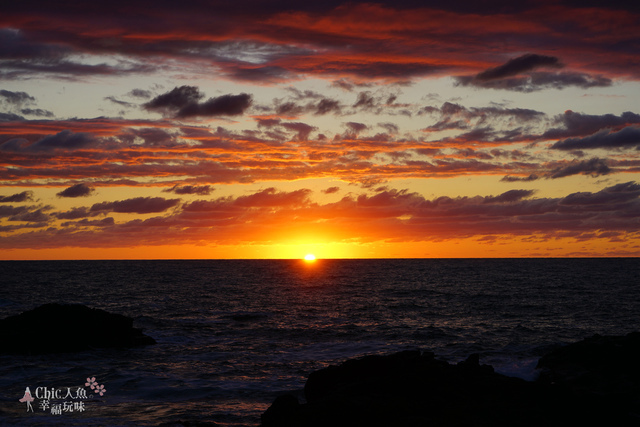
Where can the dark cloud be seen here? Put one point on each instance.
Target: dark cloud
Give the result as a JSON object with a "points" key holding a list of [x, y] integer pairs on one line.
{"points": [[139, 205], [331, 190], [65, 140], [290, 109], [619, 193], [519, 65], [18, 197], [271, 197], [14, 144], [10, 117], [14, 46], [509, 178], [447, 124], [456, 116], [485, 133], [134, 149], [303, 94], [202, 206], [389, 214], [453, 116], [471, 153], [318, 105], [567, 79], [183, 102], [177, 98], [302, 130], [75, 213], [392, 128], [593, 167], [36, 112], [105, 222], [625, 138], [268, 122], [200, 190], [356, 127], [518, 75], [266, 74], [365, 101], [268, 42], [509, 196], [37, 215], [521, 114], [537, 81], [118, 102], [16, 98], [326, 106], [63, 69], [348, 84], [140, 93], [9, 211], [225, 105], [579, 124], [27, 58], [380, 102], [428, 151], [78, 190], [155, 137], [400, 71]]}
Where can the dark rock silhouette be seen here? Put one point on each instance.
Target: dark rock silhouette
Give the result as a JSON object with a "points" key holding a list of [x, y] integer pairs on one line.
{"points": [[411, 388], [58, 328], [604, 366]]}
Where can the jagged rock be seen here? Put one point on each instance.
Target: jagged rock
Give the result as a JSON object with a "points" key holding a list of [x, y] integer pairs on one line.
{"points": [[604, 366], [280, 410], [414, 389], [58, 328]]}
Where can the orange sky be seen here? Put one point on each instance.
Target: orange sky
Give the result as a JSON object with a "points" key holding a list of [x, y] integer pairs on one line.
{"points": [[347, 130]]}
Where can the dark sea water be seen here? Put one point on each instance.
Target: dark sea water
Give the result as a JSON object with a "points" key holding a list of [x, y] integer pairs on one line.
{"points": [[233, 335]]}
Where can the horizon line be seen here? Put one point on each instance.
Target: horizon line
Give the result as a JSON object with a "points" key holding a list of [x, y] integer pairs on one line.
{"points": [[322, 259]]}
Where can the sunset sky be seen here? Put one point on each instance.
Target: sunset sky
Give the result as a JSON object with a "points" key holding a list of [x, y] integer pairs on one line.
{"points": [[273, 129]]}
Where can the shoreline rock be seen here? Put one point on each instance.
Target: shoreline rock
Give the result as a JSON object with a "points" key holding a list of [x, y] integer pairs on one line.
{"points": [[598, 364], [65, 328], [413, 388]]}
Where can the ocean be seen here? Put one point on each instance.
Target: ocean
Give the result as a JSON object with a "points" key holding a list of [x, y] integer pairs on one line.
{"points": [[234, 334]]}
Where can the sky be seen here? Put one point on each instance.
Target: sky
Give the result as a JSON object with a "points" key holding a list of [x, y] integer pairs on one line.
{"points": [[273, 129]]}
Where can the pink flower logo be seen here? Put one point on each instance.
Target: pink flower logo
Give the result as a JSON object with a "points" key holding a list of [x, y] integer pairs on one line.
{"points": [[100, 389], [91, 382], [97, 388]]}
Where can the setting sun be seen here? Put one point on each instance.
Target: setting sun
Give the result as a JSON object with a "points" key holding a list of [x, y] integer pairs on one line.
{"points": [[309, 257]]}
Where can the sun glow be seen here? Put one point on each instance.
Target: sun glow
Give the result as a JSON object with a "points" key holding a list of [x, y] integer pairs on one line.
{"points": [[309, 257]]}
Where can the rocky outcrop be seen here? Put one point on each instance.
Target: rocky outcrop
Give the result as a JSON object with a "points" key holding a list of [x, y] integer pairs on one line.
{"points": [[413, 388], [602, 364], [605, 367], [58, 328]]}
